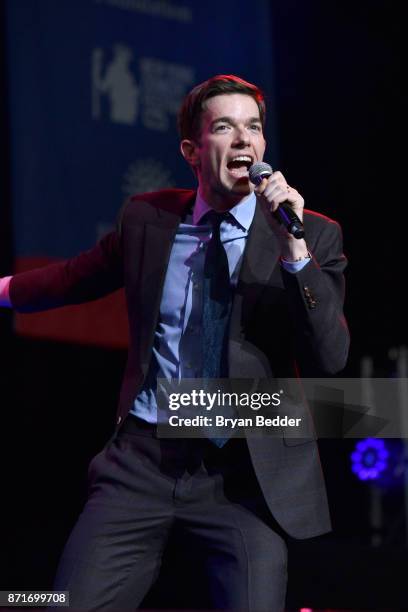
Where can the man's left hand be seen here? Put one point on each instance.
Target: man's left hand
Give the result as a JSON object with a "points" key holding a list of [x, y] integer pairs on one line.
{"points": [[273, 191]]}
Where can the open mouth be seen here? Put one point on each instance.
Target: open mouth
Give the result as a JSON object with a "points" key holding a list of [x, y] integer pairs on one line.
{"points": [[239, 166]]}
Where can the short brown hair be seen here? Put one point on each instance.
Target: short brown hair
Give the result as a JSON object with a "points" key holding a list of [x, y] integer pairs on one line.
{"points": [[189, 117]]}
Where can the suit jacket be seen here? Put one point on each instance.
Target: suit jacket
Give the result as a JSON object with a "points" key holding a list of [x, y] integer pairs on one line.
{"points": [[281, 323]]}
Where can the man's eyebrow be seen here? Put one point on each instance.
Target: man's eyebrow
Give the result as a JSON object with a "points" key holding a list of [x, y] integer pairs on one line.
{"points": [[232, 121]]}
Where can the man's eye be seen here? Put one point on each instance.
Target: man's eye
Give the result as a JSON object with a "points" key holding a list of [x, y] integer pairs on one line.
{"points": [[221, 128], [256, 127]]}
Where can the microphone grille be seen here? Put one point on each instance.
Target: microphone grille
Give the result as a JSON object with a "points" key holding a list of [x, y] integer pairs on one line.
{"points": [[258, 171]]}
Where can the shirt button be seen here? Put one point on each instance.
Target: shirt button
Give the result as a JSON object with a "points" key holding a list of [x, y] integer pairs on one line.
{"points": [[118, 422]]}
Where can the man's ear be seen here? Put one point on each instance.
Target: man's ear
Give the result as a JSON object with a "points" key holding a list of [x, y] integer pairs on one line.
{"points": [[189, 150]]}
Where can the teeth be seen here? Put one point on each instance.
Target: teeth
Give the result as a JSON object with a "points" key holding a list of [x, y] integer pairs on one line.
{"points": [[243, 158]]}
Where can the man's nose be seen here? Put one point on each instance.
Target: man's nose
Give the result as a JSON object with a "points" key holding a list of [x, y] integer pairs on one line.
{"points": [[241, 136]]}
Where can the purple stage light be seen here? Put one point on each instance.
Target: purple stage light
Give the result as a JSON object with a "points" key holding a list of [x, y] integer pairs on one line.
{"points": [[369, 459]]}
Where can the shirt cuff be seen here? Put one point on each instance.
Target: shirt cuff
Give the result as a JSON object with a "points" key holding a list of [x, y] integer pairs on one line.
{"points": [[295, 266], [4, 291]]}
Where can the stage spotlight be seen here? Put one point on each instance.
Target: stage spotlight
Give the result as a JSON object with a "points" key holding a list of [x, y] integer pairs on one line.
{"points": [[379, 461], [369, 459]]}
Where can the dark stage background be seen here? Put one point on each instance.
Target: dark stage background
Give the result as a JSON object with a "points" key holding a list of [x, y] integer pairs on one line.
{"points": [[337, 75]]}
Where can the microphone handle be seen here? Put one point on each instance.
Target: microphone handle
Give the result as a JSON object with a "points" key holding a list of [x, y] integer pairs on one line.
{"points": [[285, 215]]}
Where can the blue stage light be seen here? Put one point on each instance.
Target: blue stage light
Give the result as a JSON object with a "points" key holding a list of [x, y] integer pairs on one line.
{"points": [[370, 459], [381, 462]]}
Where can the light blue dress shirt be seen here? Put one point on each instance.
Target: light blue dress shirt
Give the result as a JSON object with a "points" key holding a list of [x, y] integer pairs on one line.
{"points": [[176, 349]]}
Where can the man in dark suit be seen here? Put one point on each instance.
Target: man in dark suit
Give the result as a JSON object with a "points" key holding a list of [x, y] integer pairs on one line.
{"points": [[181, 256]]}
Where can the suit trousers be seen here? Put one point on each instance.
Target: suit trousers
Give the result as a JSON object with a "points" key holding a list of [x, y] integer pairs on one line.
{"points": [[142, 490]]}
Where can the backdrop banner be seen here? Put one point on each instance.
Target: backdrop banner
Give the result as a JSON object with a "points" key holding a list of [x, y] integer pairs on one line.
{"points": [[94, 90]]}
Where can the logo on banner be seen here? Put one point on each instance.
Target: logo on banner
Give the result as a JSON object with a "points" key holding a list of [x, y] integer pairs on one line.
{"points": [[153, 99], [117, 83]]}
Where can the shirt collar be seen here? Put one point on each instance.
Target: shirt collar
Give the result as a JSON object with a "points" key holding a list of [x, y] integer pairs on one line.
{"points": [[243, 212]]}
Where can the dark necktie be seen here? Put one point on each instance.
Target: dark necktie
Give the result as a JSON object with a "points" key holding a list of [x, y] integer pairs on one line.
{"points": [[217, 301]]}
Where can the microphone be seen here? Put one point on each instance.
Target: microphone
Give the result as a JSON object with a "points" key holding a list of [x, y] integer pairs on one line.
{"points": [[284, 213]]}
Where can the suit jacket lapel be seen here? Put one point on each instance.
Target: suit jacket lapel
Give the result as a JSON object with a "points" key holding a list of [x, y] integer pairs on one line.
{"points": [[260, 260], [159, 234]]}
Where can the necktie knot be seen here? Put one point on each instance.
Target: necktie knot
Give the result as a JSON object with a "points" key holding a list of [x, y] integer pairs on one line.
{"points": [[215, 219]]}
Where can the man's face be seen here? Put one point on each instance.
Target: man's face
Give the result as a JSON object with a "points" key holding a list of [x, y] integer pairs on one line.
{"points": [[231, 140]]}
